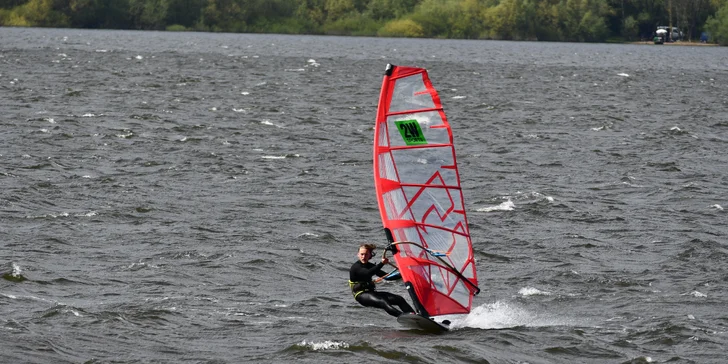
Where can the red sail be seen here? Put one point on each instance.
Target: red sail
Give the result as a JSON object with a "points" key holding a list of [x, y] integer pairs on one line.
{"points": [[419, 195]]}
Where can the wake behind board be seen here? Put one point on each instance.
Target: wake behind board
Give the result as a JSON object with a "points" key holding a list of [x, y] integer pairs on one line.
{"points": [[417, 322]]}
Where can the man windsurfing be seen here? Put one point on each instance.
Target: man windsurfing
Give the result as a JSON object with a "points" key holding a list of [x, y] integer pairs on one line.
{"points": [[363, 288]]}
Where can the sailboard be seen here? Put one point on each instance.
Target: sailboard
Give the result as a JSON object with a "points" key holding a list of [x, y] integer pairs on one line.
{"points": [[419, 196]]}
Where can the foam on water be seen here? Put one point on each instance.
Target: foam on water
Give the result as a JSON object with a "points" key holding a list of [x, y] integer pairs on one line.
{"points": [[504, 206], [530, 291], [698, 294], [16, 270], [501, 315], [324, 345], [268, 122]]}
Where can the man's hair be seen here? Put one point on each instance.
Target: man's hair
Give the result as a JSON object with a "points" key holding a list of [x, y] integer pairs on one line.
{"points": [[369, 247]]}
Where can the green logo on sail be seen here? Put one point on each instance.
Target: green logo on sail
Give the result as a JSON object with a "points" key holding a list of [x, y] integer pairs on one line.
{"points": [[411, 132]]}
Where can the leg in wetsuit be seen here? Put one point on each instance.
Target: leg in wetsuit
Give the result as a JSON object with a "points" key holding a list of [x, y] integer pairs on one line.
{"points": [[385, 301]]}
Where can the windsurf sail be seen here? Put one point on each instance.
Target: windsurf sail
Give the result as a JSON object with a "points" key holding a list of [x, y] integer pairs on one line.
{"points": [[418, 191]]}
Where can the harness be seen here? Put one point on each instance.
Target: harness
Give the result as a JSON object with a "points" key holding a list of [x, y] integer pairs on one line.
{"points": [[358, 288]]}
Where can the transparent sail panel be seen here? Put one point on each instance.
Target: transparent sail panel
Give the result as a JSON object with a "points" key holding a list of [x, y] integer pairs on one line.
{"points": [[395, 204], [461, 294], [426, 165], [410, 93], [436, 206], [386, 167]]}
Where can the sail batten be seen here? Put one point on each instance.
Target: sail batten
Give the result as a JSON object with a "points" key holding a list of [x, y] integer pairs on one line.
{"points": [[419, 193], [411, 111]]}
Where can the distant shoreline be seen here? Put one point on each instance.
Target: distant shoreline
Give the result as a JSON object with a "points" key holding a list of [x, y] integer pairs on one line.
{"points": [[679, 43], [609, 41]]}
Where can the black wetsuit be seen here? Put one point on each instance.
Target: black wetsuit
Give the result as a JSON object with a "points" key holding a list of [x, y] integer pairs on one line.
{"points": [[360, 280]]}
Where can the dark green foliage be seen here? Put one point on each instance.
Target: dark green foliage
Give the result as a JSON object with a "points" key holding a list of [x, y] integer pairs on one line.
{"points": [[717, 26], [184, 12], [555, 20]]}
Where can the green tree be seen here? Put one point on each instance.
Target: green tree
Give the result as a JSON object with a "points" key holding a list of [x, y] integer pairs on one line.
{"points": [[549, 21], [276, 16], [437, 17], [698, 12], [184, 12], [401, 28], [353, 24], [717, 26], [630, 28], [585, 20], [389, 9], [148, 14], [470, 24], [98, 13], [225, 15], [86, 13], [37, 13], [514, 19], [501, 19], [337, 9], [311, 14], [9, 4]]}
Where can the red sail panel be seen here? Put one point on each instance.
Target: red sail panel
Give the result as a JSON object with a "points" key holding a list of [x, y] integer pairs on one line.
{"points": [[418, 191]]}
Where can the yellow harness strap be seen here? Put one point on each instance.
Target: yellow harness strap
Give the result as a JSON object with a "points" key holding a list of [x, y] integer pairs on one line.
{"points": [[357, 293]]}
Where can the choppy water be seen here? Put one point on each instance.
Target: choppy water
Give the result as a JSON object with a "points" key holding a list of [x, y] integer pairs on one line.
{"points": [[187, 197]]}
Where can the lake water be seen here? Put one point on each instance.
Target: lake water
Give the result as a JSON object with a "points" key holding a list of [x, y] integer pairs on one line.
{"points": [[192, 197]]}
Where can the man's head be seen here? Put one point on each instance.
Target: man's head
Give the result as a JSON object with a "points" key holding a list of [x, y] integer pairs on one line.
{"points": [[366, 252]]}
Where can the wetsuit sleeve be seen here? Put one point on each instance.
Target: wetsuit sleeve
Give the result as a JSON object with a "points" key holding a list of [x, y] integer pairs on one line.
{"points": [[380, 272], [360, 273]]}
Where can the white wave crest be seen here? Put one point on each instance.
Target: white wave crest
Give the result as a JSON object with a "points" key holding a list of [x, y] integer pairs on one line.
{"points": [[54, 216], [326, 345], [268, 122], [532, 196], [127, 134], [16, 270], [530, 291], [87, 214], [505, 206]]}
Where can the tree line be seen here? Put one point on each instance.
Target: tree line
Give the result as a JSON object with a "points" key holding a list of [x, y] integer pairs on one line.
{"points": [[549, 20]]}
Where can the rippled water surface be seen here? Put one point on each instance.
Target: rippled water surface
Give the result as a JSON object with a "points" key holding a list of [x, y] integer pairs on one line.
{"points": [[190, 197]]}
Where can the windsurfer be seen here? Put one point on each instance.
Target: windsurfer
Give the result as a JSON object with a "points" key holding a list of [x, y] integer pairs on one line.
{"points": [[362, 286]]}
